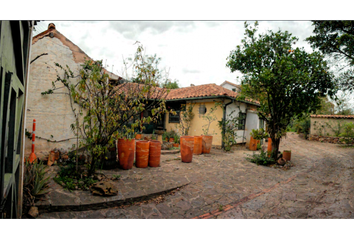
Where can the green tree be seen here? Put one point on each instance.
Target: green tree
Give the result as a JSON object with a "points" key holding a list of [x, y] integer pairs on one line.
{"points": [[327, 107], [336, 39], [170, 84], [287, 81], [106, 111]]}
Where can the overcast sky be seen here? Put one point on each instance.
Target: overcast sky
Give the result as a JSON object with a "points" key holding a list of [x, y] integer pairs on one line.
{"points": [[194, 52]]}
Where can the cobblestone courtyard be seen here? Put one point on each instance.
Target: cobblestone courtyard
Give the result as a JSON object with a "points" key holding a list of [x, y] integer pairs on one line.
{"points": [[226, 185]]}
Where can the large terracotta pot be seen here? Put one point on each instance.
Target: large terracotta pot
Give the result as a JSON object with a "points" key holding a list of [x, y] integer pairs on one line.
{"points": [[287, 155], [253, 144], [269, 150], [154, 153], [142, 154], [187, 145], [198, 145], [207, 141], [126, 149]]}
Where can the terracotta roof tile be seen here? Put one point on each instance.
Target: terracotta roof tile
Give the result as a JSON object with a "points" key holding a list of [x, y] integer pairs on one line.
{"points": [[332, 116], [206, 90]]}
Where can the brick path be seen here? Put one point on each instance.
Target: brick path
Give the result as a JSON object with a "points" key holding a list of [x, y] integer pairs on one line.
{"points": [[226, 185]]}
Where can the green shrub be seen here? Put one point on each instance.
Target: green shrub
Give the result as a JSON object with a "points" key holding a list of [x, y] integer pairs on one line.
{"points": [[70, 179], [261, 159], [35, 184], [348, 133], [259, 134]]}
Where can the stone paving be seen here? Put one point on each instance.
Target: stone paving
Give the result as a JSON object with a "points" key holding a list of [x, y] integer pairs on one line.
{"points": [[226, 185]]}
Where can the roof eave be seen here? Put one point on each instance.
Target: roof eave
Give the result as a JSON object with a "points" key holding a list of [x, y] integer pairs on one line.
{"points": [[211, 97]]}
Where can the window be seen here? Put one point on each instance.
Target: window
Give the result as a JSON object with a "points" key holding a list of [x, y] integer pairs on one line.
{"points": [[202, 109], [234, 89], [241, 121], [174, 118]]}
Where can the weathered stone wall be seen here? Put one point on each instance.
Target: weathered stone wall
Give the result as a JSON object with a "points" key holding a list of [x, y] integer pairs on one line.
{"points": [[52, 112], [327, 126]]}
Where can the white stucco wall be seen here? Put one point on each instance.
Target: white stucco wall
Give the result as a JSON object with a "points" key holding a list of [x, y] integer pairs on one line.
{"points": [[52, 112], [235, 108], [229, 86]]}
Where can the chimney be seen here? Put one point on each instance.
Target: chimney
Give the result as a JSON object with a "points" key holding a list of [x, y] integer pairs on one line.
{"points": [[192, 85], [51, 26]]}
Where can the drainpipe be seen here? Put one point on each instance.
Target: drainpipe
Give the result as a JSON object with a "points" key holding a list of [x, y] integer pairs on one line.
{"points": [[223, 127], [244, 130]]}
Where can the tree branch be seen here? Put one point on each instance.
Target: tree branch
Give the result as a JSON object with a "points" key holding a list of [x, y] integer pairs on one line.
{"points": [[38, 57]]}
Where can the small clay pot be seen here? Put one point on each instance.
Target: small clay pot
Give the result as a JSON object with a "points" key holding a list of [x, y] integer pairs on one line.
{"points": [[176, 145], [138, 136], [172, 139], [287, 155]]}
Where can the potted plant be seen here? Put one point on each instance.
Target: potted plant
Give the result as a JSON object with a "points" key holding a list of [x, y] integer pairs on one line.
{"points": [[171, 136], [138, 136], [165, 136], [176, 141], [287, 155], [256, 136]]}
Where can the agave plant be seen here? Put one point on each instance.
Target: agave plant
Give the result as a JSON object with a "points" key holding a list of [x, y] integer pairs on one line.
{"points": [[35, 182]]}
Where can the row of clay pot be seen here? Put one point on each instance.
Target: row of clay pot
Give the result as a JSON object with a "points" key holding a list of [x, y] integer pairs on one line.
{"points": [[148, 153], [194, 145]]}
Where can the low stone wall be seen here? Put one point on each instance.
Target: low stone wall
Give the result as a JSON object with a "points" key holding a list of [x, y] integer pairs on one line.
{"points": [[335, 140]]}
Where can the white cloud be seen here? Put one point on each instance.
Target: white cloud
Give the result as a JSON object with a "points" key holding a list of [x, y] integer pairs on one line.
{"points": [[194, 51]]}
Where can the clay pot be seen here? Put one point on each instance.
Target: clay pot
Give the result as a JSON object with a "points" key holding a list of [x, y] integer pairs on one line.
{"points": [[269, 150], [253, 144], [176, 145], [287, 155], [155, 153], [187, 145], [198, 145], [142, 154], [172, 139], [207, 141], [126, 149], [138, 136]]}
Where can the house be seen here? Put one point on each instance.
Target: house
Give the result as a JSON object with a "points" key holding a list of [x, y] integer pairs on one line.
{"points": [[203, 98], [231, 86], [53, 113]]}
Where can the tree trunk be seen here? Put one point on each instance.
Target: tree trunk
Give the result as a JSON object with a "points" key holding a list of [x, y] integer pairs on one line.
{"points": [[275, 147], [93, 163]]}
